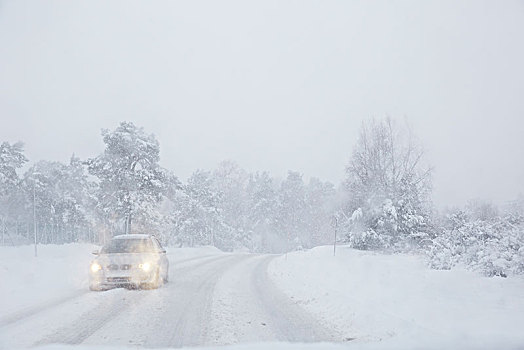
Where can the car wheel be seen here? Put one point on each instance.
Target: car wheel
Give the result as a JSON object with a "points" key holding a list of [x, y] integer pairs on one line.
{"points": [[155, 283]]}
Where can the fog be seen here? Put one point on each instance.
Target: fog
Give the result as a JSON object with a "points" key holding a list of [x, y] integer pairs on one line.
{"points": [[272, 85]]}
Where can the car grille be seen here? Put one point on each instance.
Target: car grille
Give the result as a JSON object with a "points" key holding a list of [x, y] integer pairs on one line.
{"points": [[118, 279], [114, 267]]}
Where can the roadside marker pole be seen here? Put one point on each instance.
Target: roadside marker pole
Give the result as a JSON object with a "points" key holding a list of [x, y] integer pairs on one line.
{"points": [[34, 214], [334, 222]]}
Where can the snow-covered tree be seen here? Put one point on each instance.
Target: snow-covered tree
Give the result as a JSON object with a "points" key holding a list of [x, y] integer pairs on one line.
{"points": [[292, 211], [389, 186], [196, 216], [262, 211], [131, 182], [61, 195], [231, 182], [479, 209], [516, 206], [320, 208], [11, 197], [11, 159]]}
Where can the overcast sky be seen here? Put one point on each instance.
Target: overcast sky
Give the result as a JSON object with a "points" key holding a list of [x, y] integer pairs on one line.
{"points": [[273, 85]]}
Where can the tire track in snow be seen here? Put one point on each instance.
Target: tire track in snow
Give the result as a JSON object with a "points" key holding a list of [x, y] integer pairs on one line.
{"points": [[185, 317], [91, 321], [249, 308], [36, 309], [288, 320], [183, 261], [102, 314]]}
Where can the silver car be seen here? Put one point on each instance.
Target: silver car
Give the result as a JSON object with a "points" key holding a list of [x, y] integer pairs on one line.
{"points": [[129, 261]]}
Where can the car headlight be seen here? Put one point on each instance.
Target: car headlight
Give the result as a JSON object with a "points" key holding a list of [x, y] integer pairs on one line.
{"points": [[95, 267], [145, 266]]}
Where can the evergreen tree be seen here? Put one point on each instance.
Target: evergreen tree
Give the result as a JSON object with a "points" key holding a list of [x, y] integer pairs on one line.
{"points": [[131, 182], [292, 209], [320, 200], [262, 212], [12, 158]]}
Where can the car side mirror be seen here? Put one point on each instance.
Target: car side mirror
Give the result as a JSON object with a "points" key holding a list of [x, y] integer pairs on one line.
{"points": [[95, 252]]}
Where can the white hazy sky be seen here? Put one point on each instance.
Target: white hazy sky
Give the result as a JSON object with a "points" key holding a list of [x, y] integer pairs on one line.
{"points": [[273, 85]]}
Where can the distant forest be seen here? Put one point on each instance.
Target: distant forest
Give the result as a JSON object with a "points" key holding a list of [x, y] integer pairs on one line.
{"points": [[383, 204]]}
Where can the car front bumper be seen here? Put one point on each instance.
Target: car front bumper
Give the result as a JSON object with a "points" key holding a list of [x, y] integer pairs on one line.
{"points": [[122, 278]]}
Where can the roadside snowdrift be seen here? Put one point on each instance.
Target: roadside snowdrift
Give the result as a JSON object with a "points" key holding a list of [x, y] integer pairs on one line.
{"points": [[397, 301], [59, 270]]}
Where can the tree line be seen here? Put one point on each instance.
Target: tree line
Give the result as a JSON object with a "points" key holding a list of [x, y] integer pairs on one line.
{"points": [[125, 190], [384, 203]]}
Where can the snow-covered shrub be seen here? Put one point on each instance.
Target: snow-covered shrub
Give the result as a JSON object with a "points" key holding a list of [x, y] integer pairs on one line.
{"points": [[393, 226], [493, 247]]}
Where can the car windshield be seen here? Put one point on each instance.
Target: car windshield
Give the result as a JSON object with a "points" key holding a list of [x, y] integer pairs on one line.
{"points": [[128, 246]]}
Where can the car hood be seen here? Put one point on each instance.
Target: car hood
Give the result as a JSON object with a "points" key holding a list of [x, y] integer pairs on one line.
{"points": [[127, 258]]}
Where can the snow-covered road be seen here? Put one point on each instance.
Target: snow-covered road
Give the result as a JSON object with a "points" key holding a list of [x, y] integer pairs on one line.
{"points": [[356, 300], [213, 299]]}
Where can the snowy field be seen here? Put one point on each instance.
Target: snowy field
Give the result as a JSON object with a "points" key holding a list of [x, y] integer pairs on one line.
{"points": [[307, 300]]}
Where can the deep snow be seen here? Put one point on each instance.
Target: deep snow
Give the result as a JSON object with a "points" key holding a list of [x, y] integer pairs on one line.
{"points": [[382, 301], [395, 300]]}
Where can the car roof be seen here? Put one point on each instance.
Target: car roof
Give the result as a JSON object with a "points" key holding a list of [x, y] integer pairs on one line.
{"points": [[132, 236]]}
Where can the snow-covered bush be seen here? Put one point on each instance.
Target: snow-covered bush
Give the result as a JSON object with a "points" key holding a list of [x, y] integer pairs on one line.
{"points": [[392, 226], [493, 247]]}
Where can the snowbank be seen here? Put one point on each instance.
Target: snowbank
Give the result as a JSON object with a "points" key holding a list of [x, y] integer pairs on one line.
{"points": [[258, 346], [395, 301], [58, 271]]}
